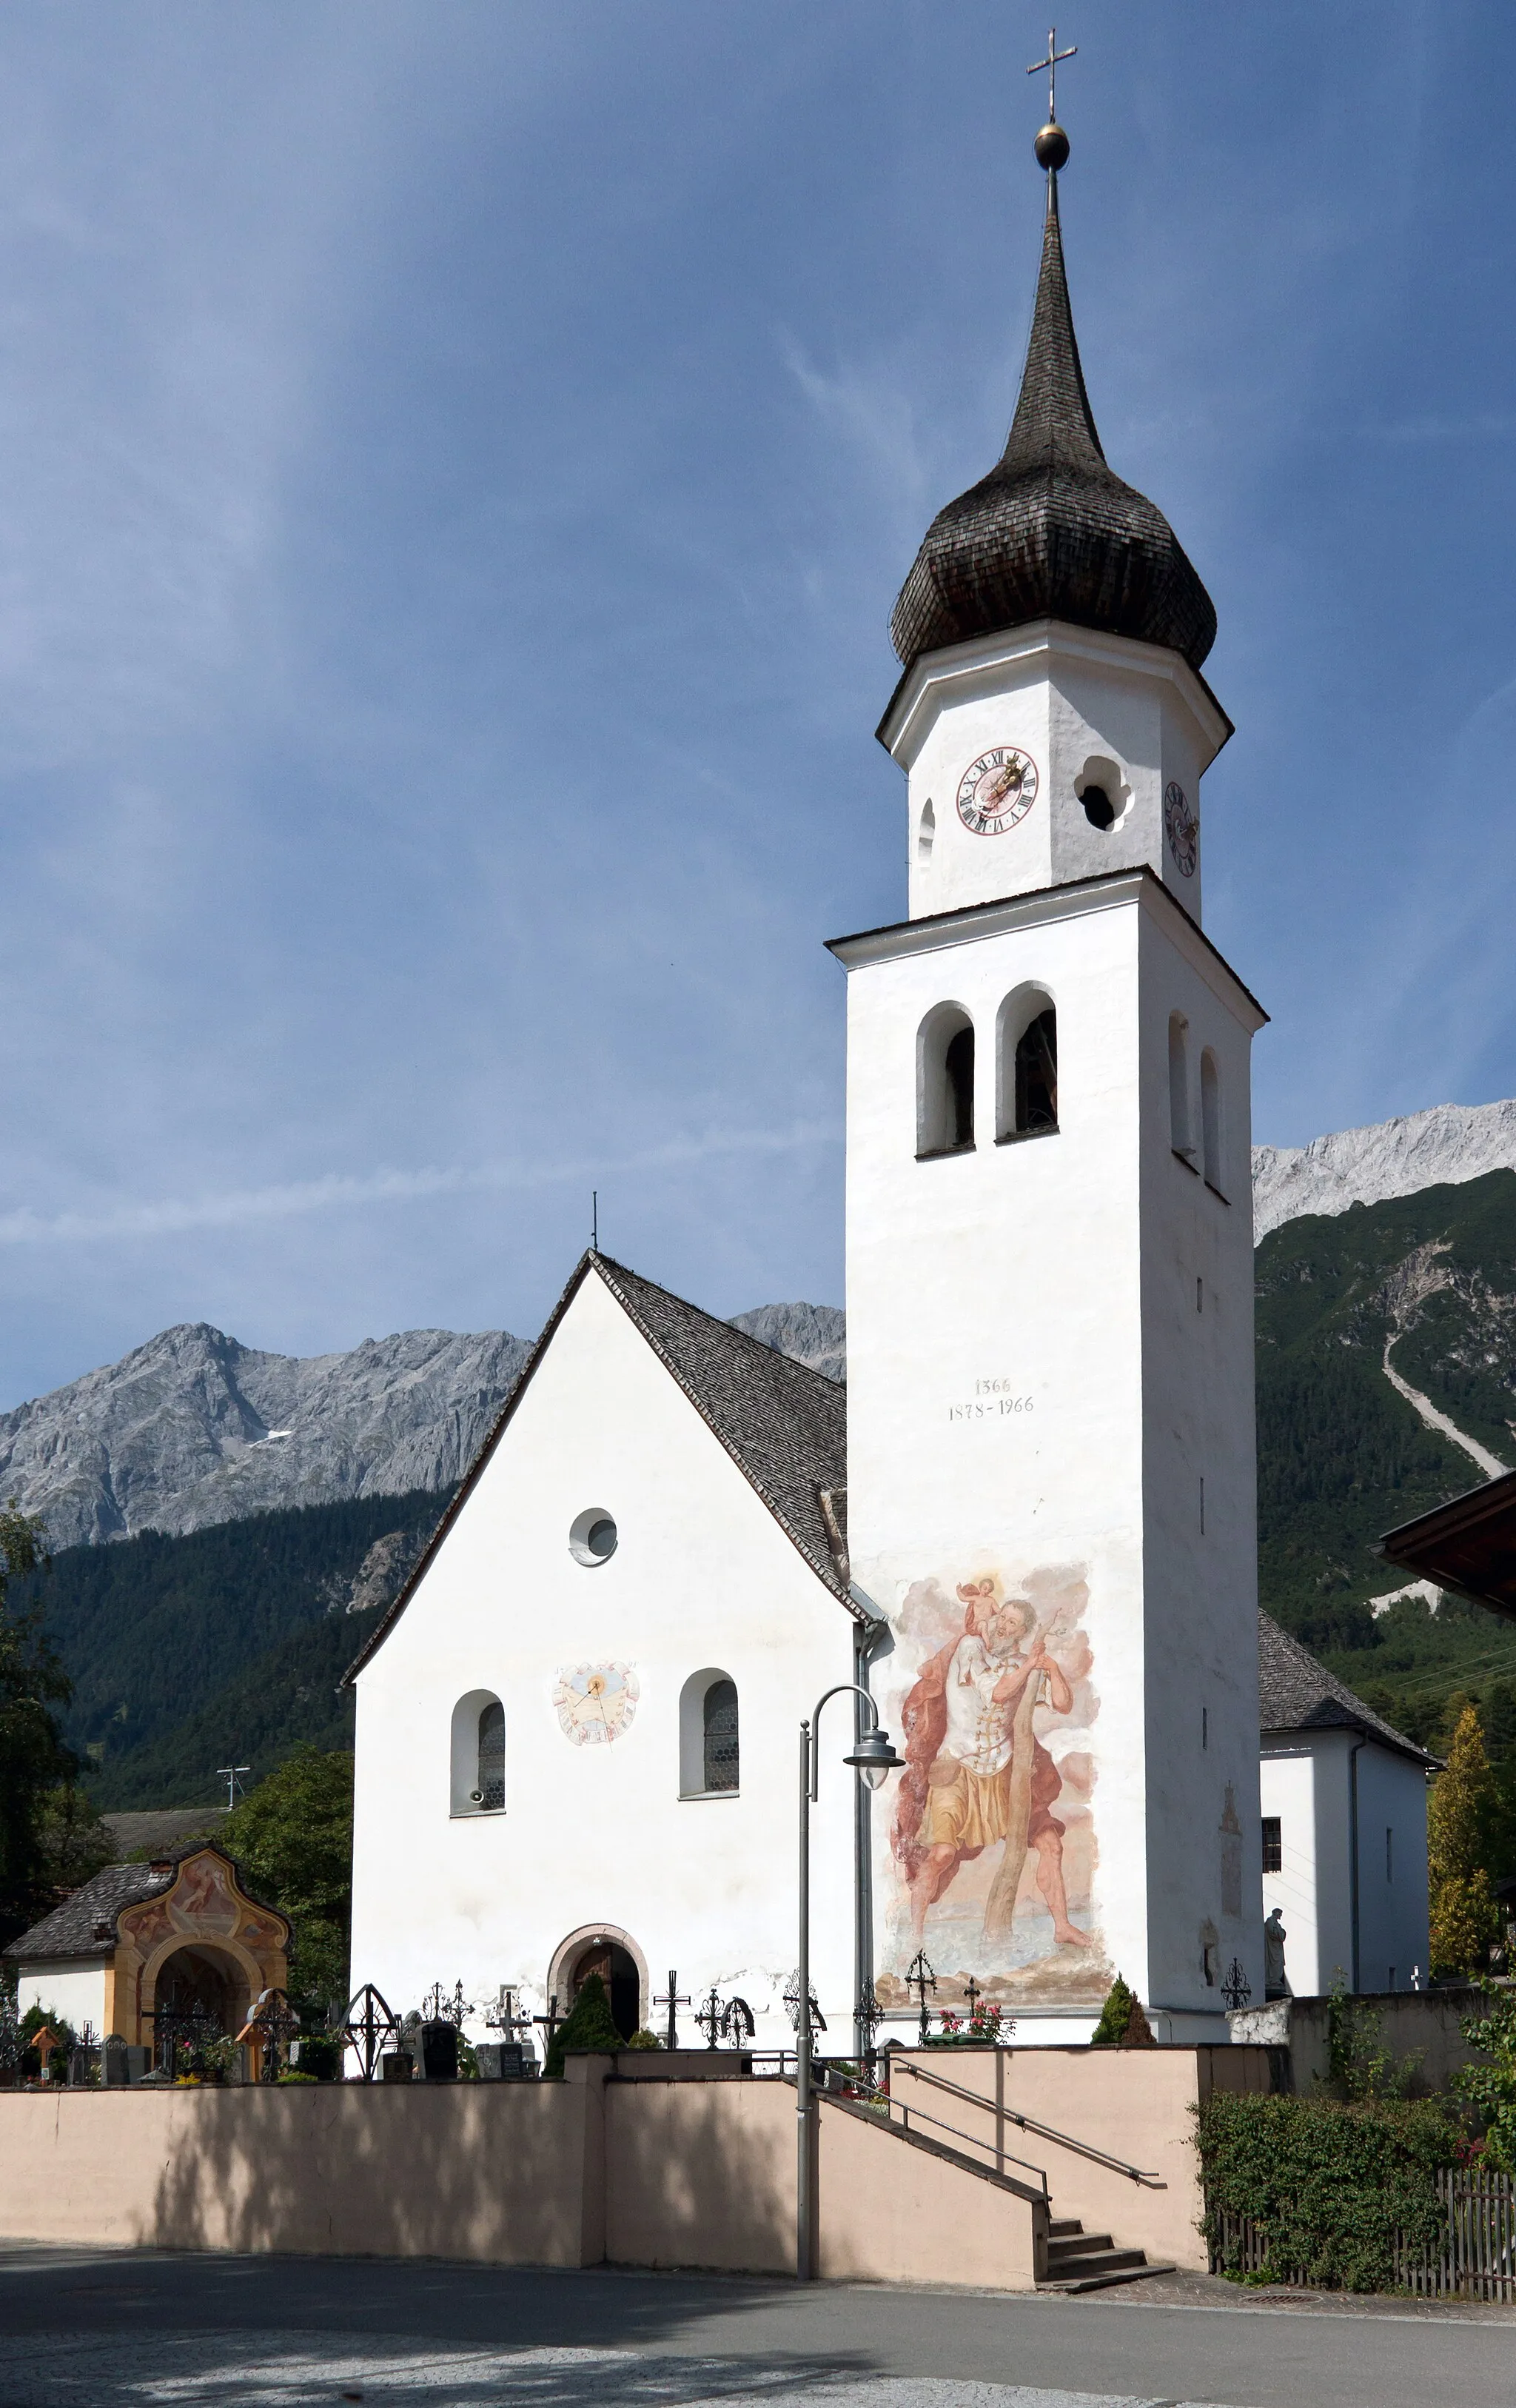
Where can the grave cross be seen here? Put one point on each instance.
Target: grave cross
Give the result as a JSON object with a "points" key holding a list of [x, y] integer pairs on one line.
{"points": [[504, 2017], [1236, 1989], [710, 2018], [370, 2032], [921, 1979], [548, 2022], [738, 2022], [673, 2002], [437, 2008], [868, 2015], [973, 1994], [792, 2000], [1053, 60]]}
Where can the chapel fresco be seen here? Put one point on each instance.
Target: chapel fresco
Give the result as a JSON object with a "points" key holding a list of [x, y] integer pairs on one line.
{"points": [[992, 1841]]}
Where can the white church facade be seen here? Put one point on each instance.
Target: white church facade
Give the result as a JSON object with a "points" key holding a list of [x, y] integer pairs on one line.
{"points": [[1028, 1523]]}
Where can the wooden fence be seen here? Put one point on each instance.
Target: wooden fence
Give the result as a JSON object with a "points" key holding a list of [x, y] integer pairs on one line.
{"points": [[1476, 2261]]}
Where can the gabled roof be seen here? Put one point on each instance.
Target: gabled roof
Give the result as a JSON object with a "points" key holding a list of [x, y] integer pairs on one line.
{"points": [[783, 1425], [159, 1828], [1295, 1693], [85, 1924]]}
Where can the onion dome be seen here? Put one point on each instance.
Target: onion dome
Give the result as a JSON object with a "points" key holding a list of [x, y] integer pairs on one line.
{"points": [[1050, 533]]}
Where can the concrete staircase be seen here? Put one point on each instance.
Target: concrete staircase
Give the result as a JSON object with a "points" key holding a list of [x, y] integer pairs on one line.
{"points": [[1087, 2261], [1077, 2260]]}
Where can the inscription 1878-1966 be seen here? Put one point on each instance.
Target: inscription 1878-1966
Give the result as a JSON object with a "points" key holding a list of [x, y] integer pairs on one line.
{"points": [[993, 1400]]}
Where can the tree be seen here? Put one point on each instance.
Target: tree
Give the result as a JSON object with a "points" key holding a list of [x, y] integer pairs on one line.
{"points": [[588, 2024], [1123, 2023], [34, 1761], [292, 1837], [1460, 1828]]}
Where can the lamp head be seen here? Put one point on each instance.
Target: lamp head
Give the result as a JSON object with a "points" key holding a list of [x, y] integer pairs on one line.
{"points": [[874, 1757]]}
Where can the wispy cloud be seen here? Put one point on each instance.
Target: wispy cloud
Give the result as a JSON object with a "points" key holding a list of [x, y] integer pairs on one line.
{"points": [[335, 1191]]}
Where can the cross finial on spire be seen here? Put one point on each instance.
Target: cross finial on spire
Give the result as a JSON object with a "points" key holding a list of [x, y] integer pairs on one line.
{"points": [[1052, 63]]}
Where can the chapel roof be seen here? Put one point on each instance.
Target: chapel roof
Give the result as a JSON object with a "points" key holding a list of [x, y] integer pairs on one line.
{"points": [[784, 1425], [1295, 1693], [154, 1828], [75, 1928], [1051, 532]]}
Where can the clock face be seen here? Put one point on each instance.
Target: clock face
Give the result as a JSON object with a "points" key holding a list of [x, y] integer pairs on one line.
{"points": [[1181, 827], [997, 790]]}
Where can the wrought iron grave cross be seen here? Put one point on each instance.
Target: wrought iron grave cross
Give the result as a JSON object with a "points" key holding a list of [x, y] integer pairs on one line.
{"points": [[921, 1979], [675, 2000]]}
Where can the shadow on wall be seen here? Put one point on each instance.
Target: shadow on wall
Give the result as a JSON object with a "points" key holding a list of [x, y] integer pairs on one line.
{"points": [[701, 2174], [468, 2171]]}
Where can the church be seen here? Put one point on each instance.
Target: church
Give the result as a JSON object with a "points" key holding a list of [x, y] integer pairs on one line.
{"points": [[1026, 1526]]}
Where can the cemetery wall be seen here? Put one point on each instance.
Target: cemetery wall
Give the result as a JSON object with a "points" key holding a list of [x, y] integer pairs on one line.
{"points": [[642, 2173], [703, 2174], [494, 2172], [1131, 2103]]}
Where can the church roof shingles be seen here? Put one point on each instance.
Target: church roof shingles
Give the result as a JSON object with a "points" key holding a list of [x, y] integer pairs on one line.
{"points": [[783, 1425], [1053, 532], [1295, 1693]]}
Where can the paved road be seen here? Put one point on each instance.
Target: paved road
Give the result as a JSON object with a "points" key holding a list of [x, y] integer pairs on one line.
{"points": [[142, 2330]]}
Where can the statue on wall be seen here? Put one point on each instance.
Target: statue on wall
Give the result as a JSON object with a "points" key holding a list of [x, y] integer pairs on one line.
{"points": [[1276, 1980]]}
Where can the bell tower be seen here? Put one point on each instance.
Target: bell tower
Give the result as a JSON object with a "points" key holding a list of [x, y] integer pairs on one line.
{"points": [[1049, 1258]]}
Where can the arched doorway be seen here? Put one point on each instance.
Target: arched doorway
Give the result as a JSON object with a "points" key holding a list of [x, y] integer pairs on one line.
{"points": [[201, 1980], [618, 1970]]}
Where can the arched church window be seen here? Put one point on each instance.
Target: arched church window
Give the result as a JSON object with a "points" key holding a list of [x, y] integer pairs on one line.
{"points": [[945, 1081], [709, 1760], [721, 1735], [1026, 1066], [491, 1759], [926, 833], [1210, 1120], [1179, 1088], [1037, 1076], [478, 1784]]}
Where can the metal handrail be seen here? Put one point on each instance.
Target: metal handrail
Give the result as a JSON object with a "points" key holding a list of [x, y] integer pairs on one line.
{"points": [[1029, 2123], [1003, 2156], [869, 2094]]}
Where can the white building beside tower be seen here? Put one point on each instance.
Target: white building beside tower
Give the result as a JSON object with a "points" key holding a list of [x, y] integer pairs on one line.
{"points": [[1029, 1525]]}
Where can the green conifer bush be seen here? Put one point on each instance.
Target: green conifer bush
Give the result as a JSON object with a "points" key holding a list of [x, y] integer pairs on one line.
{"points": [[589, 2025]]}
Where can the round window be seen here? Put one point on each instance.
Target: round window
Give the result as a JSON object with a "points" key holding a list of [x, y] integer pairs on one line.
{"points": [[592, 1537]]}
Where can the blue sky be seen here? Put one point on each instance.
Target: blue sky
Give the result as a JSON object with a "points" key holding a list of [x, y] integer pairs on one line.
{"points": [[456, 463]]}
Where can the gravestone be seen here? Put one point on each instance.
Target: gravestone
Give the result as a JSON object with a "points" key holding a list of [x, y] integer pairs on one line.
{"points": [[439, 2051], [395, 2065], [503, 2060]]}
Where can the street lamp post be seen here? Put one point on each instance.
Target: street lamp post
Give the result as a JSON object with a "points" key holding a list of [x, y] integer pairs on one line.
{"points": [[873, 1756]]}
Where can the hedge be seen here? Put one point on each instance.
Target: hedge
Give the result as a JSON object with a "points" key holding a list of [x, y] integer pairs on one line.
{"points": [[1328, 2186]]}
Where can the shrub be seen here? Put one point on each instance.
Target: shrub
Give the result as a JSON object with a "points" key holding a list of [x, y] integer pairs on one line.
{"points": [[644, 2039], [1492, 2087], [1123, 2023], [321, 2057], [1327, 2186], [589, 2025]]}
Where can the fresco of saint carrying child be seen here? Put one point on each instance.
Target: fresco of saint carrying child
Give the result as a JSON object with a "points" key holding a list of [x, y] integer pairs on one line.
{"points": [[992, 1842]]}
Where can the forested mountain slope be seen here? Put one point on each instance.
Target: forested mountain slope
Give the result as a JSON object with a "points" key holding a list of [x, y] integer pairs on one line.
{"points": [[1425, 1286], [222, 1646]]}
